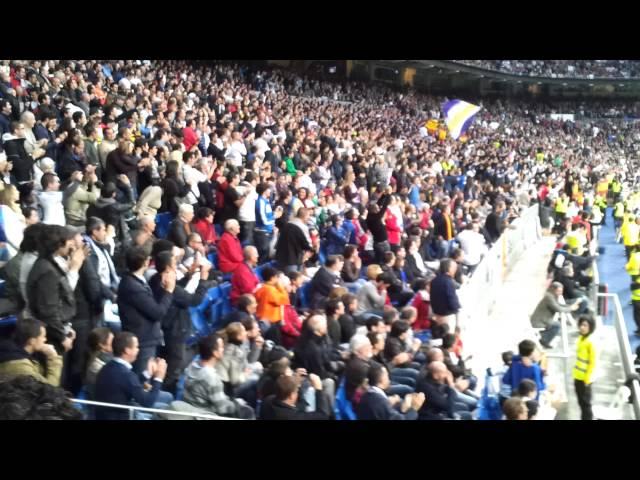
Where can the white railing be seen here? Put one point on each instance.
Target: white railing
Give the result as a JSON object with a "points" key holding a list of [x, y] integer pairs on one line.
{"points": [[134, 408]]}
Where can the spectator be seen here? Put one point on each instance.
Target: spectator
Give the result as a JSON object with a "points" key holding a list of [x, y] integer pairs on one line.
{"points": [[229, 249], [515, 408], [440, 397], [117, 383], [79, 194], [149, 202], [176, 323], [325, 280], [173, 189], [13, 222], [233, 200], [181, 227], [294, 242], [203, 386], [375, 405], [524, 365], [234, 369], [247, 211], [144, 236], [13, 143], [337, 236], [51, 284], [372, 296], [244, 280], [26, 398], [282, 405], [50, 199], [28, 353], [100, 344], [140, 311], [113, 212], [375, 224], [544, 314], [271, 297], [265, 221], [204, 226], [444, 299]]}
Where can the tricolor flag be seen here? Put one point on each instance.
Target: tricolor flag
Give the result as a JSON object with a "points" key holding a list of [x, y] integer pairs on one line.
{"points": [[458, 116]]}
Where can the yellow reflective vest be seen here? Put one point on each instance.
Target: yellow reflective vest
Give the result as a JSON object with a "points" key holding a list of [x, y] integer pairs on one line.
{"points": [[562, 205], [585, 360], [630, 232], [619, 210]]}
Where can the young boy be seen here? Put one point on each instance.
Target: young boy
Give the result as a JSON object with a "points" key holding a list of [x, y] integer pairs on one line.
{"points": [[523, 366], [585, 365]]}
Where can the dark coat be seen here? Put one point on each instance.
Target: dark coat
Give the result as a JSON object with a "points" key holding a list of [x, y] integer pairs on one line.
{"points": [[273, 409], [69, 163], [444, 299], [119, 163], [375, 222], [314, 354], [51, 299], [91, 294], [291, 245], [172, 188], [374, 406], [321, 285], [140, 312], [22, 161], [178, 232], [439, 399]]}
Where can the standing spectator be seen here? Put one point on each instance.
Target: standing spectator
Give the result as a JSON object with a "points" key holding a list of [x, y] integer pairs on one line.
{"points": [[19, 355], [247, 211], [240, 376], [524, 365], [229, 248], [265, 221], [50, 199], [140, 311], [495, 223], [52, 281], [233, 200], [79, 194], [376, 225], [108, 145], [473, 245], [117, 383], [444, 299], [337, 236], [14, 145], [13, 221], [294, 242], [111, 211], [244, 280], [173, 189]]}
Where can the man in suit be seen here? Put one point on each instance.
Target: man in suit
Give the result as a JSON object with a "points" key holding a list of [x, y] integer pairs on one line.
{"points": [[375, 405], [140, 311], [326, 279], [117, 383]]}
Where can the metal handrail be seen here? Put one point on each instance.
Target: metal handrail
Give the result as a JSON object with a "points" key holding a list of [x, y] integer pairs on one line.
{"points": [[625, 350], [133, 408]]}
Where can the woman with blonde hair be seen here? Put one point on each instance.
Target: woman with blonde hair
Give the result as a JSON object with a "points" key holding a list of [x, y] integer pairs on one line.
{"points": [[12, 220]]}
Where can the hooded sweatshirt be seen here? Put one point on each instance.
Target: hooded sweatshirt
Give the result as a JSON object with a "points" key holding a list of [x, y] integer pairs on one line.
{"points": [[15, 361], [203, 388]]}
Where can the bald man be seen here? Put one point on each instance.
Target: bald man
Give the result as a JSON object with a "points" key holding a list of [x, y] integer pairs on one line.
{"points": [[442, 402], [230, 255], [244, 279]]}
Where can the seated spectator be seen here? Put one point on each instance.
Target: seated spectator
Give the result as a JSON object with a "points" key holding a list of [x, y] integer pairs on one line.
{"points": [[271, 296], [27, 398], [244, 279], [140, 311], [325, 280], [50, 199], [28, 353], [234, 368], [254, 343], [528, 391], [441, 401], [117, 383], [296, 280], [347, 319], [204, 387], [372, 297], [523, 365], [333, 310], [515, 408], [204, 226], [375, 405], [100, 353], [283, 405], [351, 269], [144, 236], [229, 249], [396, 352], [181, 227], [246, 307]]}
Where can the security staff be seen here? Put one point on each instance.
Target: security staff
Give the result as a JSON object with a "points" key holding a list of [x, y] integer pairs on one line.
{"points": [[584, 366]]}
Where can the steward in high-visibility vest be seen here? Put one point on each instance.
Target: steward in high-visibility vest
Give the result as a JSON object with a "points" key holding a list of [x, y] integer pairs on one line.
{"points": [[618, 214], [584, 366], [562, 205], [630, 232], [616, 188], [576, 239], [603, 188], [633, 269]]}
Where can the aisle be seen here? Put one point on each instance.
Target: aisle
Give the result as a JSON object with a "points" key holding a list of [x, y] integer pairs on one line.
{"points": [[611, 269]]}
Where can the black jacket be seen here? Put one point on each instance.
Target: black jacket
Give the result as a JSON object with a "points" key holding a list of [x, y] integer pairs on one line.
{"points": [[314, 354], [321, 285], [444, 299], [411, 270], [374, 406], [113, 213], [176, 323], [172, 188], [375, 222], [291, 245], [68, 163], [140, 311], [178, 232], [439, 399], [273, 409], [91, 294], [22, 161], [120, 163], [51, 299]]}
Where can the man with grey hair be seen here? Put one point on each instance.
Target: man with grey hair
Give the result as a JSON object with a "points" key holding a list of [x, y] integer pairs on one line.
{"points": [[34, 147], [229, 248], [181, 227], [143, 236]]}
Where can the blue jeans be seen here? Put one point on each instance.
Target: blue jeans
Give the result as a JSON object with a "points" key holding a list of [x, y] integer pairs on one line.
{"points": [[404, 376], [162, 403], [262, 241], [547, 335]]}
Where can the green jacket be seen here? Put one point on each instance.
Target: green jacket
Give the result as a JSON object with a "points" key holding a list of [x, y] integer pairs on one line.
{"points": [[77, 199], [15, 361]]}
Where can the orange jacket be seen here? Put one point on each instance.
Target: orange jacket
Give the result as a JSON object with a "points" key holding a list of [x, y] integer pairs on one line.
{"points": [[270, 300]]}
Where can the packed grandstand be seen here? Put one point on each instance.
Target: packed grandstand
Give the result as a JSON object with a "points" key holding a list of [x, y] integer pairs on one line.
{"points": [[197, 239]]}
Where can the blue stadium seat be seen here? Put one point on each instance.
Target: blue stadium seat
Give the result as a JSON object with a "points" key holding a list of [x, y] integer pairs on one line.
{"points": [[162, 224], [219, 229], [305, 297], [9, 321], [225, 295], [260, 268], [213, 258]]}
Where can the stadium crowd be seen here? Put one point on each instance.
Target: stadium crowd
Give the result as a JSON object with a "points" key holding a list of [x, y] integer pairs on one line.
{"points": [[562, 68], [338, 222]]}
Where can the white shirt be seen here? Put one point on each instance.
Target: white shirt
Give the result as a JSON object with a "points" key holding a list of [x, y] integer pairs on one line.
{"points": [[52, 207], [193, 176], [247, 211], [72, 277], [261, 147], [473, 245], [235, 152]]}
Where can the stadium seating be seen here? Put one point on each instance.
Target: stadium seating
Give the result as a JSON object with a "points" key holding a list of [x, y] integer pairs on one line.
{"points": [[162, 224]]}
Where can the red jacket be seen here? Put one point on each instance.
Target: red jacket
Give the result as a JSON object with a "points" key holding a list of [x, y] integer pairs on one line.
{"points": [[190, 138], [244, 280], [393, 229], [423, 322], [291, 327], [229, 253], [206, 231]]}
